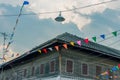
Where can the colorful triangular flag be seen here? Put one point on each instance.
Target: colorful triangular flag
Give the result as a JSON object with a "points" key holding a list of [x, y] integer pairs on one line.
{"points": [[114, 68], [119, 65], [39, 51], [25, 3], [86, 40], [45, 50], [102, 36], [94, 38], [65, 46], [57, 48], [104, 73], [72, 43], [79, 42], [114, 33], [50, 49]]}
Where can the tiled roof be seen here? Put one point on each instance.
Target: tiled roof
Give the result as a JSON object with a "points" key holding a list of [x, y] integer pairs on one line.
{"points": [[97, 47], [67, 37]]}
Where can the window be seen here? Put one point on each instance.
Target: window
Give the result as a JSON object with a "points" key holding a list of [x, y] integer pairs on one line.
{"points": [[84, 69], [52, 66], [42, 69], [33, 70], [69, 66], [98, 70]]}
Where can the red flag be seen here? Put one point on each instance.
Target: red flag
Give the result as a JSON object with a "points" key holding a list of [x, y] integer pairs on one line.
{"points": [[72, 43], [45, 50], [57, 48], [86, 40], [65, 46], [119, 66]]}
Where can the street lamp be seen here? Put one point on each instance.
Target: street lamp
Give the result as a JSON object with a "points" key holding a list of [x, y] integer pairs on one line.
{"points": [[59, 18]]}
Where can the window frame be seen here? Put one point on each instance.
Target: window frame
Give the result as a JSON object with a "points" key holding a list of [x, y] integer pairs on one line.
{"points": [[50, 66], [87, 68], [72, 66], [96, 69], [43, 72]]}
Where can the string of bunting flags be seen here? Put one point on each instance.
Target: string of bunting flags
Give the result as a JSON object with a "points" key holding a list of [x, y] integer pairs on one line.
{"points": [[108, 72], [44, 50], [14, 28], [16, 23], [78, 42], [103, 36]]}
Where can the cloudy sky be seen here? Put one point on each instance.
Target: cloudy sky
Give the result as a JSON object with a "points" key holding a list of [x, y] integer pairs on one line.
{"points": [[33, 30]]}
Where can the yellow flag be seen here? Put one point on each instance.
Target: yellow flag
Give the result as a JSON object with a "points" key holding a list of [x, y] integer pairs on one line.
{"points": [[72, 43], [39, 51]]}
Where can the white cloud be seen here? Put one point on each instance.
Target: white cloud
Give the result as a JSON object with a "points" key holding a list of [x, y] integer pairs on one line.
{"points": [[72, 16], [11, 2], [37, 6]]}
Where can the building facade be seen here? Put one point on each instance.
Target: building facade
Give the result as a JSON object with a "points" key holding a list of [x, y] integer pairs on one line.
{"points": [[58, 59]]}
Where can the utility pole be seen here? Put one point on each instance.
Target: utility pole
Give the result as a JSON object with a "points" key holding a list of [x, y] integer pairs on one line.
{"points": [[5, 35]]}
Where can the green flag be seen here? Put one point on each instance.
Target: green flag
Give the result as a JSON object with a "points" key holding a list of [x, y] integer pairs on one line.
{"points": [[114, 33], [94, 38]]}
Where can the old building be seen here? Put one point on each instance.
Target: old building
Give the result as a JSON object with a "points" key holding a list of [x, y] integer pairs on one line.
{"points": [[62, 58]]}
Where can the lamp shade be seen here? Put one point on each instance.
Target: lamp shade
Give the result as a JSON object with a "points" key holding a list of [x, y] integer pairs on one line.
{"points": [[59, 18]]}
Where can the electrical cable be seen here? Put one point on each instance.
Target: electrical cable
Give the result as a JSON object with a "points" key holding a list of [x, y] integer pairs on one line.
{"points": [[91, 5]]}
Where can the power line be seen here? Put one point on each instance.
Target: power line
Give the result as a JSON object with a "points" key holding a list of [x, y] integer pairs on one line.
{"points": [[91, 5]]}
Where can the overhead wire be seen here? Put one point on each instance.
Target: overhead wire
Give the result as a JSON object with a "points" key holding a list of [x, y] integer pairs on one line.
{"points": [[91, 5]]}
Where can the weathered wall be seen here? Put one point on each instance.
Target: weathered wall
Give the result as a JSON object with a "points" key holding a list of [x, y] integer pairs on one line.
{"points": [[82, 56], [18, 71]]}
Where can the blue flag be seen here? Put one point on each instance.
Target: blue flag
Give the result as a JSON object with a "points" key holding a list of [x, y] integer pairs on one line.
{"points": [[102, 36], [25, 3]]}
